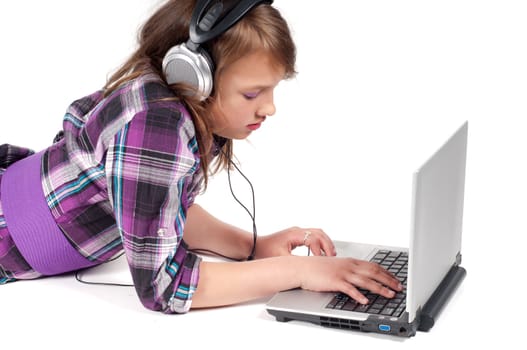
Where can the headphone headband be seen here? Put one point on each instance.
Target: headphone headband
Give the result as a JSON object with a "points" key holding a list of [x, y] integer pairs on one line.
{"points": [[202, 32]]}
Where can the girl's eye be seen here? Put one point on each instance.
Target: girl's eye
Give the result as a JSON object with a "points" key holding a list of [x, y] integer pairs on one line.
{"points": [[250, 95]]}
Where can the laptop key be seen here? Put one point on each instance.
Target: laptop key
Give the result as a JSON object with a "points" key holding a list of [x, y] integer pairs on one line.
{"points": [[350, 305], [362, 308], [392, 305], [332, 303], [382, 300], [398, 311], [340, 304], [374, 310], [338, 301], [371, 298], [387, 311]]}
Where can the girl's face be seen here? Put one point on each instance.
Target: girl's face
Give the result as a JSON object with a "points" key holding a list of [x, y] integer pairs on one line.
{"points": [[244, 95]]}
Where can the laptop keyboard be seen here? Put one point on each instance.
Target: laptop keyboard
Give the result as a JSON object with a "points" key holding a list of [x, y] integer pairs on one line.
{"points": [[393, 261]]}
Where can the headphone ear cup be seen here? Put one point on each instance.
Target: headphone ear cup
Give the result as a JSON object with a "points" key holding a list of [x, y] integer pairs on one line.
{"points": [[195, 69]]}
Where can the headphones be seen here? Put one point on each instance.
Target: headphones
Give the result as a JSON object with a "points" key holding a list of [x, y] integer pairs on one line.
{"points": [[191, 64]]}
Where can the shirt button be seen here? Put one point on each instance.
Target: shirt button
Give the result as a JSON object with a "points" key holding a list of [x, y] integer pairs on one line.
{"points": [[161, 232]]}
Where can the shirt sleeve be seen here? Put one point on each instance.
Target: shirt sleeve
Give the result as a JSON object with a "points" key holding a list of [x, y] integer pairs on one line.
{"points": [[150, 168], [10, 154]]}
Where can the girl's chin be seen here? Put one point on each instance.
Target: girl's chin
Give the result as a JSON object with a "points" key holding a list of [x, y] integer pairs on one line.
{"points": [[240, 135]]}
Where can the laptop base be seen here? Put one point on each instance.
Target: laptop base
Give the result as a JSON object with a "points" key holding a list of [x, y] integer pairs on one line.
{"points": [[385, 324], [374, 323]]}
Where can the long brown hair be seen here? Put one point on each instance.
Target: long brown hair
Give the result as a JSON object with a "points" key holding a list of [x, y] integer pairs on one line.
{"points": [[263, 28]]}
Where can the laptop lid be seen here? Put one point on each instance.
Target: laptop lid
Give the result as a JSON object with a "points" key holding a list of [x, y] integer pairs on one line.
{"points": [[436, 223]]}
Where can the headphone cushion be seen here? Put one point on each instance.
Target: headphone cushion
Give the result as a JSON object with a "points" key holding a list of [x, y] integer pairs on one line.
{"points": [[195, 69]]}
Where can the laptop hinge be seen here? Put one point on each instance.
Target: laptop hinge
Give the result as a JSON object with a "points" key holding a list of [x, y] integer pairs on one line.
{"points": [[458, 258]]}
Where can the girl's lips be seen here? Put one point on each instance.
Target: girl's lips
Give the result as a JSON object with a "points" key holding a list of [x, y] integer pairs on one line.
{"points": [[254, 126]]}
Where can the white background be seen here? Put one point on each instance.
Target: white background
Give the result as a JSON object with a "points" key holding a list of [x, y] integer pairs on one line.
{"points": [[381, 85]]}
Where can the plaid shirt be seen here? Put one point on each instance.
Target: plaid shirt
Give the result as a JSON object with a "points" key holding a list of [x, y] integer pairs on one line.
{"points": [[122, 176]]}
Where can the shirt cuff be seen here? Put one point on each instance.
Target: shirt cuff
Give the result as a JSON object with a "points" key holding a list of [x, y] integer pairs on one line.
{"points": [[181, 300]]}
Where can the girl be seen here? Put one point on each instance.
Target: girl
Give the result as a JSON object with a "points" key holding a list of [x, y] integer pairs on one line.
{"points": [[124, 172]]}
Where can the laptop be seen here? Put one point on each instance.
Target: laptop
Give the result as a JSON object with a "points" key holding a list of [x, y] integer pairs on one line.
{"points": [[429, 268]]}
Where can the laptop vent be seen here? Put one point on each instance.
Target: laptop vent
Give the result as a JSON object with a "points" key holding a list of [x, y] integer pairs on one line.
{"points": [[339, 323]]}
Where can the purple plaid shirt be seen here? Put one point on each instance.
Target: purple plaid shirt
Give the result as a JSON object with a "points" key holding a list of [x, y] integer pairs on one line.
{"points": [[122, 176]]}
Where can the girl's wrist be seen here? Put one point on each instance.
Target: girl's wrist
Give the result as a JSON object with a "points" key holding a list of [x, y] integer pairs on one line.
{"points": [[296, 269]]}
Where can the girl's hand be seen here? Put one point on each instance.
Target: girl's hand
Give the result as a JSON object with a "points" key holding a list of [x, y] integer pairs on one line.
{"points": [[283, 242], [322, 274]]}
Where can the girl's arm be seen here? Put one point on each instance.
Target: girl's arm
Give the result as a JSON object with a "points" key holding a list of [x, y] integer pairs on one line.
{"points": [[230, 283], [225, 283], [204, 231]]}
